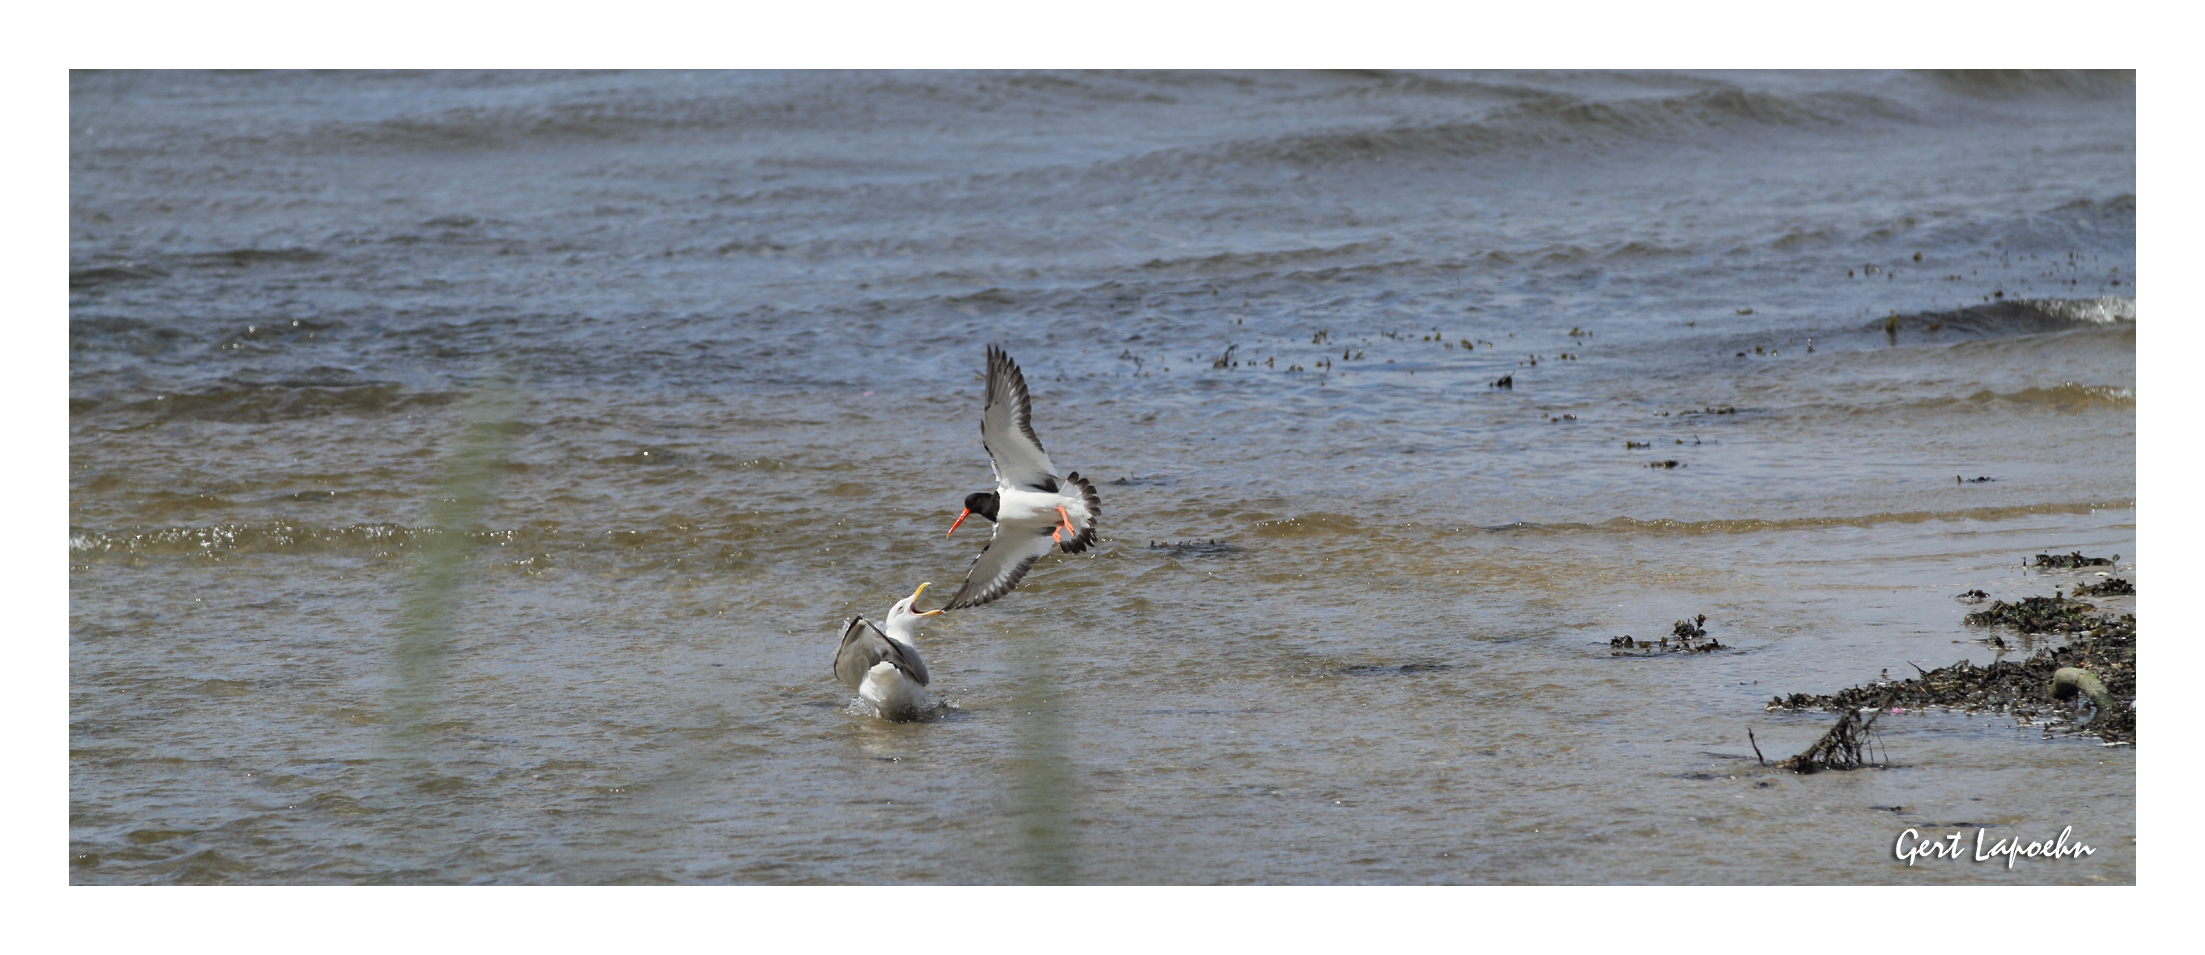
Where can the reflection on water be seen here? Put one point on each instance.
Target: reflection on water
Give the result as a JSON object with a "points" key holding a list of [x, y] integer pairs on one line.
{"points": [[1350, 620]]}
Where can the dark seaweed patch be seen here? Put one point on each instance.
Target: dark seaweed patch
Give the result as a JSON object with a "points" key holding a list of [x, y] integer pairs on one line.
{"points": [[1202, 548], [1685, 636], [2073, 560], [2116, 587], [2021, 689], [2038, 615], [1845, 746]]}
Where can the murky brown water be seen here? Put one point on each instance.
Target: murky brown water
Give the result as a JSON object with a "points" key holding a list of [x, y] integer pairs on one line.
{"points": [[744, 316]]}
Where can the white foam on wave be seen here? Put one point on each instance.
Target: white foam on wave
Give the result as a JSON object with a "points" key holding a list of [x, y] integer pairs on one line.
{"points": [[2104, 310]]}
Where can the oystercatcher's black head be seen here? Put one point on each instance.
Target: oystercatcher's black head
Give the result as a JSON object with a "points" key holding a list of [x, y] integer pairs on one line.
{"points": [[983, 503]]}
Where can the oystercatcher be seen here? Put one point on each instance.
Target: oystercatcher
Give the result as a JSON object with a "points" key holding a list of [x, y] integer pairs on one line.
{"points": [[884, 667], [1032, 508]]}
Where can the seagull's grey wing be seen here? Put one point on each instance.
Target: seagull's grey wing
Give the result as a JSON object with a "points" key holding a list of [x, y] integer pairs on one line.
{"points": [[863, 645], [1001, 565], [1007, 429]]}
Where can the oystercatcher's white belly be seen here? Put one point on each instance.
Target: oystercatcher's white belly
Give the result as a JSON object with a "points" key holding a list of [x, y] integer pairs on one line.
{"points": [[1020, 506]]}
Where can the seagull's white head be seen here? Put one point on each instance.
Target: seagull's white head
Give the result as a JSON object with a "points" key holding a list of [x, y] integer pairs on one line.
{"points": [[901, 617]]}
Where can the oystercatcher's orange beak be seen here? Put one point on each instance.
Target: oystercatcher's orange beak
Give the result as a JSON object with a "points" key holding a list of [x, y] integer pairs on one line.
{"points": [[961, 515], [915, 600]]}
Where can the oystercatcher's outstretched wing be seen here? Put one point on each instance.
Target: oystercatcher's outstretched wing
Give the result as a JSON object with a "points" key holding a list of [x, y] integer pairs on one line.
{"points": [[1007, 429], [864, 645], [1001, 565]]}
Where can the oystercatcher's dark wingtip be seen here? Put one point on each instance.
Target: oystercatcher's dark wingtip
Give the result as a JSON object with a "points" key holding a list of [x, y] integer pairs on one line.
{"points": [[1007, 383]]}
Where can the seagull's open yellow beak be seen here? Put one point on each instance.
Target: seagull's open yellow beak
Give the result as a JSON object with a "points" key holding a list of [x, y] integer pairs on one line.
{"points": [[915, 599]]}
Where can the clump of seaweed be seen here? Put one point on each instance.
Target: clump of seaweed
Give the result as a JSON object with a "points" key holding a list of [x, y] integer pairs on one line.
{"points": [[1843, 747], [2116, 587], [1680, 640], [2038, 615], [2075, 559], [1196, 548], [2026, 690], [1973, 596]]}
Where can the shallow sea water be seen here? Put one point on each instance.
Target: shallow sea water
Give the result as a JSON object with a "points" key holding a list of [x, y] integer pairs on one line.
{"points": [[470, 472]]}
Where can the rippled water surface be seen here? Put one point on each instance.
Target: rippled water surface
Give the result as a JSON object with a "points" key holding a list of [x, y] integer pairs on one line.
{"points": [[469, 473]]}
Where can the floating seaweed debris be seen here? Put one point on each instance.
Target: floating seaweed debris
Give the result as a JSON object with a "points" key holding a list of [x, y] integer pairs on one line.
{"points": [[1196, 548], [2038, 615], [2027, 690], [1680, 640], [1507, 381], [1843, 747], [1666, 465], [2116, 587], [1974, 596], [1629, 445], [1957, 479], [2075, 559]]}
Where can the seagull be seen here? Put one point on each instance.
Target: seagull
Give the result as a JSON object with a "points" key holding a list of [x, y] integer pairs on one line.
{"points": [[884, 667], [1032, 508]]}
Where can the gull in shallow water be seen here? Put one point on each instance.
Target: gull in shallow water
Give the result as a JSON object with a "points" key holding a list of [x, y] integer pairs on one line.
{"points": [[1032, 508], [883, 666]]}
